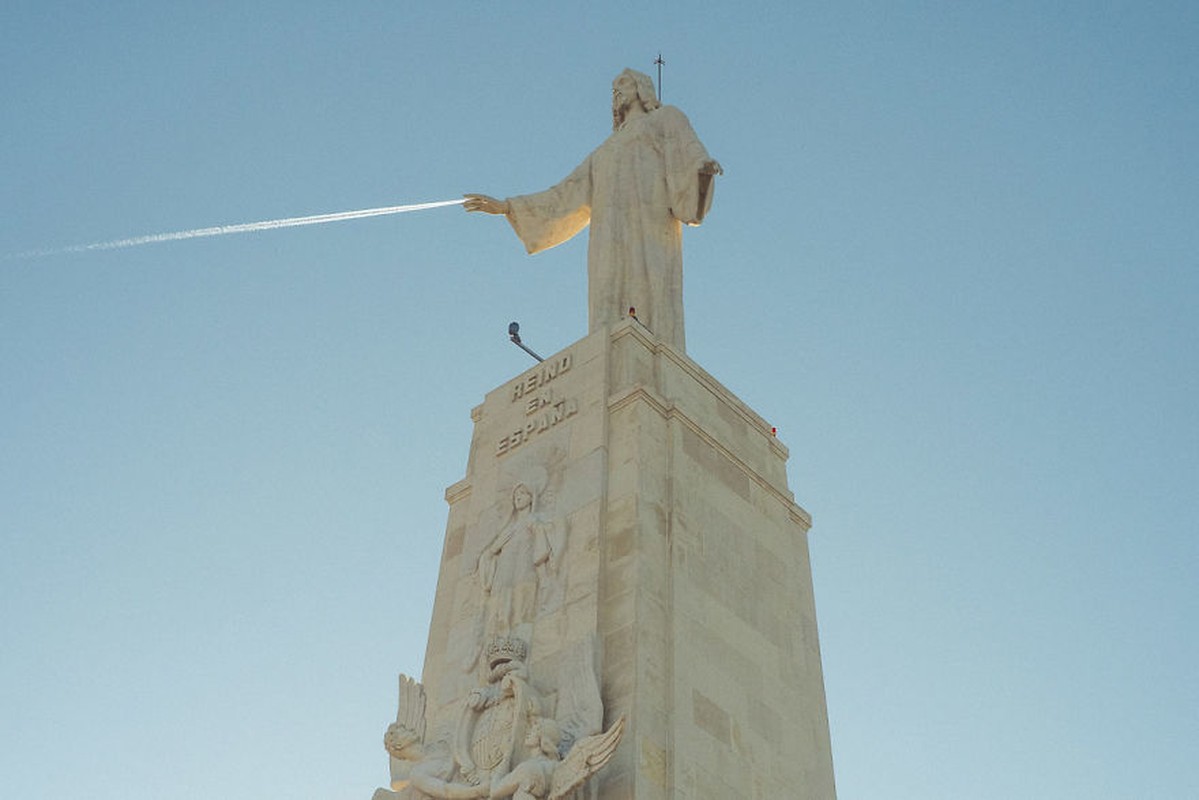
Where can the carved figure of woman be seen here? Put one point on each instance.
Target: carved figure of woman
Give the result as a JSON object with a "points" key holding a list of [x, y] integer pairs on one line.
{"points": [[509, 564]]}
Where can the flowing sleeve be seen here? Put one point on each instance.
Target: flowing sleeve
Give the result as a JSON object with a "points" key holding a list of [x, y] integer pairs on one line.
{"points": [[690, 193], [546, 219]]}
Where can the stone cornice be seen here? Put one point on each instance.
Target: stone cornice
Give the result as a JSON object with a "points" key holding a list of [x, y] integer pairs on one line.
{"points": [[459, 491], [703, 378], [670, 411]]}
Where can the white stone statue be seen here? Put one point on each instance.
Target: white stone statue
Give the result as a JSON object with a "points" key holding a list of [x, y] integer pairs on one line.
{"points": [[506, 743], [636, 190]]}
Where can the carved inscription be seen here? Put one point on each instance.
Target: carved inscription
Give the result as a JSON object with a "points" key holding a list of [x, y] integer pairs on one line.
{"points": [[553, 415], [534, 380], [544, 406]]}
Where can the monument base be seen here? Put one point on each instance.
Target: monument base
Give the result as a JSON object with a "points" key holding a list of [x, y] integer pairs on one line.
{"points": [[627, 518]]}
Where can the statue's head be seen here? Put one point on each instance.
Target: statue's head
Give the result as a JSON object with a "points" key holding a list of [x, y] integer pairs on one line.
{"points": [[631, 87], [544, 735], [522, 497]]}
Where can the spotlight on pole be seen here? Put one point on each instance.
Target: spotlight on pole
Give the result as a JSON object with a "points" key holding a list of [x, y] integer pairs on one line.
{"points": [[514, 335]]}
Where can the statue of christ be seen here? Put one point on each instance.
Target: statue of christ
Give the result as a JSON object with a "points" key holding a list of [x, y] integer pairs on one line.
{"points": [[637, 189]]}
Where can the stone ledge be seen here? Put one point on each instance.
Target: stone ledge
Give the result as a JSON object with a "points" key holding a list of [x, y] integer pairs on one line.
{"points": [[669, 411], [704, 378], [459, 491]]}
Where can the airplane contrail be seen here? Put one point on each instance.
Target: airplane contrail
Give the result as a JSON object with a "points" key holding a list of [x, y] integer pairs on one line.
{"points": [[244, 227]]}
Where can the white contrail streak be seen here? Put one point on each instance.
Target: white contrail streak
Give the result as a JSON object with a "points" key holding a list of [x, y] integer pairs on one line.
{"points": [[245, 227]]}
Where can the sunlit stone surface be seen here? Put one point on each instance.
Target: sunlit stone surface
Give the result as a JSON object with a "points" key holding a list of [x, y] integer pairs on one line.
{"points": [[625, 521]]}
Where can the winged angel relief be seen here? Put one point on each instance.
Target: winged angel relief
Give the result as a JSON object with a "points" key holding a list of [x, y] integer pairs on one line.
{"points": [[506, 744]]}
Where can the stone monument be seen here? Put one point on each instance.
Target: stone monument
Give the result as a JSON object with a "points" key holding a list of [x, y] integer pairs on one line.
{"points": [[636, 191], [624, 608]]}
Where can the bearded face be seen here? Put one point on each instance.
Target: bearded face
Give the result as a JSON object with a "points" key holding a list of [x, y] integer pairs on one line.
{"points": [[624, 94]]}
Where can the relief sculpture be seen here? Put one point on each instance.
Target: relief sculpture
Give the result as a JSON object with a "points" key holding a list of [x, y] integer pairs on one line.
{"points": [[508, 742], [513, 562], [516, 571]]}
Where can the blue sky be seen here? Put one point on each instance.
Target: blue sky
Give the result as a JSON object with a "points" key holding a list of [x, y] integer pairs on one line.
{"points": [[953, 258]]}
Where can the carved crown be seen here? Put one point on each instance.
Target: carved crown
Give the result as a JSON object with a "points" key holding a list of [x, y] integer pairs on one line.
{"points": [[506, 648]]}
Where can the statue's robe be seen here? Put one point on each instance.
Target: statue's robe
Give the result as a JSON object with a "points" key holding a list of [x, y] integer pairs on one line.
{"points": [[636, 190]]}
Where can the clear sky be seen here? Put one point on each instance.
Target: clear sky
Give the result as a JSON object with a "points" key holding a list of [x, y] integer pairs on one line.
{"points": [[953, 258]]}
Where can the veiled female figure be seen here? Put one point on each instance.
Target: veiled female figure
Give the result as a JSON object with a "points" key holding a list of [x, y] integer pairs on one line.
{"points": [[510, 564]]}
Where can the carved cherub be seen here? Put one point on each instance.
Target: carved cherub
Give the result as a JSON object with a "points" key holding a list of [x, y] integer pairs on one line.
{"points": [[405, 737], [546, 775]]}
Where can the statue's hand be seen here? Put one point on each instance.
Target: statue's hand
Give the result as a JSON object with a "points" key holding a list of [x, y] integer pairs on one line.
{"points": [[482, 698], [710, 167], [488, 205]]}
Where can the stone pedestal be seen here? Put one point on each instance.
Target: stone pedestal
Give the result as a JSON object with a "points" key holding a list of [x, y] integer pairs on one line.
{"points": [[629, 518]]}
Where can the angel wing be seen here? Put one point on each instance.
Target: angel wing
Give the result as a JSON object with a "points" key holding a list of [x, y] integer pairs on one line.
{"points": [[406, 735], [579, 709], [586, 758]]}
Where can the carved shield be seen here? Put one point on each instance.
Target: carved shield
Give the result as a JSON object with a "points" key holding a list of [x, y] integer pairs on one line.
{"points": [[492, 739]]}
